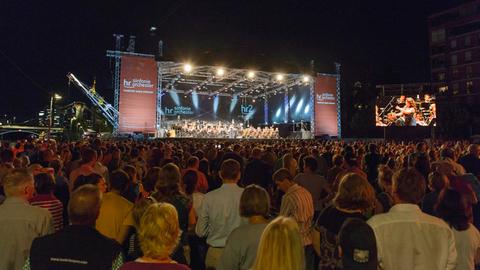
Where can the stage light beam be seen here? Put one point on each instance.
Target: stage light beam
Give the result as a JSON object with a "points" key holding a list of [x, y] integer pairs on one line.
{"points": [[307, 109], [195, 99], [299, 106], [215, 104]]}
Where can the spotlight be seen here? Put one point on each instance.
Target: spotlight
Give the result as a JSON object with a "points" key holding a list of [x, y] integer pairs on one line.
{"points": [[279, 77], [253, 100], [251, 74], [187, 68], [220, 72], [306, 78]]}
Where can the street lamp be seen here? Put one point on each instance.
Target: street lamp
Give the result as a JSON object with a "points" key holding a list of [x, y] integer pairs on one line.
{"points": [[50, 122]]}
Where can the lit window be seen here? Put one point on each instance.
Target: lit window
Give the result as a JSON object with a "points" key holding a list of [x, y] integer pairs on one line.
{"points": [[469, 85], [443, 89]]}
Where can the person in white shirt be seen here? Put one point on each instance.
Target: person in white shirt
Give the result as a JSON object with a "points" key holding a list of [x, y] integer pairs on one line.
{"points": [[219, 212], [452, 207], [406, 237]]}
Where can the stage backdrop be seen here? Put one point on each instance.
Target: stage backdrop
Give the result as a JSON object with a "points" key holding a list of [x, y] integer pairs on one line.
{"points": [[326, 116], [138, 92]]}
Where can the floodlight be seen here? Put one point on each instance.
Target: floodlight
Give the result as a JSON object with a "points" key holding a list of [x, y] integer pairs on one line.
{"points": [[279, 77], [306, 78], [187, 68], [251, 74], [220, 72]]}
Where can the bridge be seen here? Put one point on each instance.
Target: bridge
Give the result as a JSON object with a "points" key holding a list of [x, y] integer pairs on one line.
{"points": [[6, 129]]}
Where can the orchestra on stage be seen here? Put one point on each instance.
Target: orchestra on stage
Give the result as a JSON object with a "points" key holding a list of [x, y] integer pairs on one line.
{"points": [[217, 129]]}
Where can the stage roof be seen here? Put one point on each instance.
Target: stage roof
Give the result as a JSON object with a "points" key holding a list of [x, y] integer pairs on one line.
{"points": [[213, 80]]}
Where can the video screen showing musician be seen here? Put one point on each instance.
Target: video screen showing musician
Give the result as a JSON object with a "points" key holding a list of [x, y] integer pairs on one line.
{"points": [[405, 111]]}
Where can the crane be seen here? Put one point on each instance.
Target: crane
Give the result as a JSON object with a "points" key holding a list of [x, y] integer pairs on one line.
{"points": [[108, 111]]}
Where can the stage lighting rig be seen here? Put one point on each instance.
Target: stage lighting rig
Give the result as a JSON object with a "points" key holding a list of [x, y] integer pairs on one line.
{"points": [[187, 68], [220, 72]]}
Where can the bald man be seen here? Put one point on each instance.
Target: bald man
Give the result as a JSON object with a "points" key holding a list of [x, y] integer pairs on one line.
{"points": [[80, 245]]}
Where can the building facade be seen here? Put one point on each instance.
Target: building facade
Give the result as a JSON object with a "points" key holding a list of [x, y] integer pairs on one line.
{"points": [[454, 42]]}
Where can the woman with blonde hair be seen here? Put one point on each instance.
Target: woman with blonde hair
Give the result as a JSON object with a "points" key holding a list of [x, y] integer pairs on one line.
{"points": [[355, 199], [280, 246], [157, 247]]}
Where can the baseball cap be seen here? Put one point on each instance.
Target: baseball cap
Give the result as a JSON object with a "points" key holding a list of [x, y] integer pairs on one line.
{"points": [[358, 244]]}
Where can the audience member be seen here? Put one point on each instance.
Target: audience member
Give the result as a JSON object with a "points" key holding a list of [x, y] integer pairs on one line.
{"points": [[452, 208], [471, 161], [355, 199], [405, 229], [385, 198], [297, 203], [257, 171], [167, 189], [314, 183], [193, 164], [436, 183], [92, 179], [134, 251], [220, 214], [242, 244], [78, 246], [44, 198], [372, 160], [62, 187], [357, 245], [280, 246], [157, 247], [115, 216], [20, 222]]}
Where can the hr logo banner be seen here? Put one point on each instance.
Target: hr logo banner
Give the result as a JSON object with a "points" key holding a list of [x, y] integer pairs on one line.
{"points": [[246, 109]]}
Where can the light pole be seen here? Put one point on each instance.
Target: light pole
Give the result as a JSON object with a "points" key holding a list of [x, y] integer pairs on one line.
{"points": [[50, 121]]}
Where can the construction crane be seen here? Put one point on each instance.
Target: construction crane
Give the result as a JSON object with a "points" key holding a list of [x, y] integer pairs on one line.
{"points": [[108, 111]]}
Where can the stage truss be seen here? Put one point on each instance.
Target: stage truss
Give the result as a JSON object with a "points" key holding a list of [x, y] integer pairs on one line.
{"points": [[223, 81], [212, 80]]}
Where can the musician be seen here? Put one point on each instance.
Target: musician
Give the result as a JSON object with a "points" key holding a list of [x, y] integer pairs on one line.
{"points": [[407, 113], [433, 114], [401, 101]]}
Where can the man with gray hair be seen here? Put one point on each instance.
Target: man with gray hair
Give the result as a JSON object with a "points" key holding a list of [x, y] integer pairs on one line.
{"points": [[20, 222]]}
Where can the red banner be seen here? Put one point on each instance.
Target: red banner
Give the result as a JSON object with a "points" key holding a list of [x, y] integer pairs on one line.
{"points": [[138, 94], [326, 115]]}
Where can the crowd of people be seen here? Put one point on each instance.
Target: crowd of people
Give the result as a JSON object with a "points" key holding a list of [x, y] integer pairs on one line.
{"points": [[218, 130], [239, 204]]}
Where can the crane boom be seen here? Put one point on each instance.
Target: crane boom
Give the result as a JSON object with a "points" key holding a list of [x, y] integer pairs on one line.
{"points": [[108, 111]]}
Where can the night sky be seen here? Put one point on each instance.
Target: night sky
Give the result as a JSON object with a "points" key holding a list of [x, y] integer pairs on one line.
{"points": [[41, 41]]}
